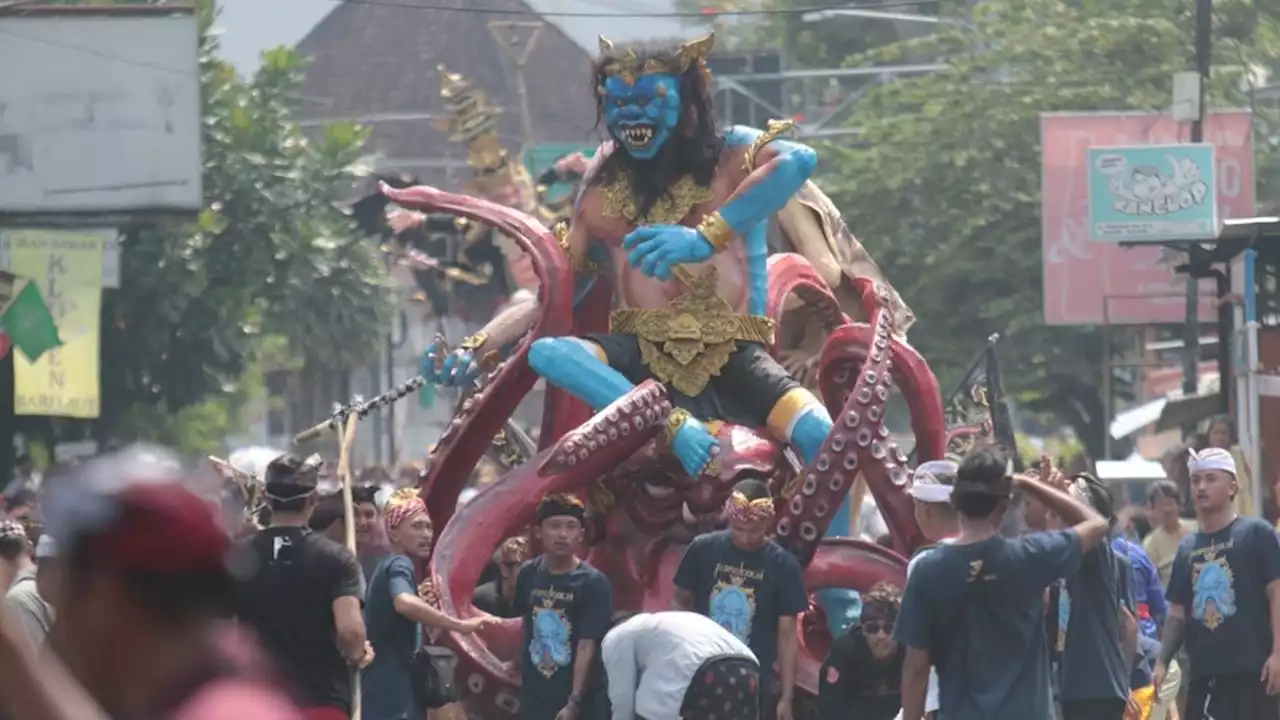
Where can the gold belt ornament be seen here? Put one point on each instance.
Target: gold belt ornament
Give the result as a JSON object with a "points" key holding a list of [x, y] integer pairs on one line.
{"points": [[689, 341]]}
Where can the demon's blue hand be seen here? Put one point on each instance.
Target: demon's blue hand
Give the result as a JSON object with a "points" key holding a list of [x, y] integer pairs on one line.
{"points": [[455, 369], [657, 249]]}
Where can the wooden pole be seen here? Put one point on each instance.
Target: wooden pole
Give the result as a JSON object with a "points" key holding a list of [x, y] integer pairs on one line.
{"points": [[349, 524]]}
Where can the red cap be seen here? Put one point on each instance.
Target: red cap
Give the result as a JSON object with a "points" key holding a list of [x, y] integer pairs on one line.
{"points": [[163, 528]]}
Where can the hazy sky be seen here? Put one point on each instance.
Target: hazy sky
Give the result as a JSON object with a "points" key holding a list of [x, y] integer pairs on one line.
{"points": [[250, 26]]}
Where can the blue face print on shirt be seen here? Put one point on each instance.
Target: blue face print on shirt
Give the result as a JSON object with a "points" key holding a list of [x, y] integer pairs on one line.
{"points": [[549, 649], [733, 606], [642, 116], [1214, 595]]}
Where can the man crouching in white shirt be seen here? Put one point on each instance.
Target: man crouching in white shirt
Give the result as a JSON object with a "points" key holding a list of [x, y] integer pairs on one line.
{"points": [[653, 659]]}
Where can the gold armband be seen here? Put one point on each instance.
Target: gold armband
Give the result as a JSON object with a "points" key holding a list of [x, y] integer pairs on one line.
{"points": [[579, 263], [474, 341], [717, 232], [774, 130], [676, 420]]}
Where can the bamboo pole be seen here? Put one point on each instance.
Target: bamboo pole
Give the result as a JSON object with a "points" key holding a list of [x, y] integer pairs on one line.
{"points": [[349, 524]]}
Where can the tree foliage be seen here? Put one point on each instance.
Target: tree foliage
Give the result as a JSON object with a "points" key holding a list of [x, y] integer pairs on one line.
{"points": [[944, 184], [272, 253], [780, 26]]}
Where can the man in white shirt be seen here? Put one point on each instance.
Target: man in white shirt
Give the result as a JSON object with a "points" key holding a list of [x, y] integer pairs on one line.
{"points": [[653, 659]]}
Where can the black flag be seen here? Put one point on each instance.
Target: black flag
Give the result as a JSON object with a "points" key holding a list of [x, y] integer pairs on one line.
{"points": [[978, 413]]}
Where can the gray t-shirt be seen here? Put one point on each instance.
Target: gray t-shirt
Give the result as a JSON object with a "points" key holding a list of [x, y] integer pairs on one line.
{"points": [[24, 599]]}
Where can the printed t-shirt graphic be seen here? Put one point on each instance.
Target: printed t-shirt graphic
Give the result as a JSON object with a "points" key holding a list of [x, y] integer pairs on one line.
{"points": [[1212, 589], [733, 598], [549, 650]]}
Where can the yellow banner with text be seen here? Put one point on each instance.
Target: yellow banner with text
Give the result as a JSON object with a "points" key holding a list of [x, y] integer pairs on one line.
{"points": [[68, 268]]}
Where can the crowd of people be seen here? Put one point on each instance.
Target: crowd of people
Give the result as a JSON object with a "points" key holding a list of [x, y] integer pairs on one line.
{"points": [[128, 599]]}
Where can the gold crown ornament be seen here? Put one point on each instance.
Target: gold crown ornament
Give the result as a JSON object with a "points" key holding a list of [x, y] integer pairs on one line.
{"points": [[472, 120], [629, 66]]}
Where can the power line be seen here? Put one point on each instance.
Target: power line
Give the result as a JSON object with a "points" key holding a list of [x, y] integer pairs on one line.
{"points": [[884, 4]]}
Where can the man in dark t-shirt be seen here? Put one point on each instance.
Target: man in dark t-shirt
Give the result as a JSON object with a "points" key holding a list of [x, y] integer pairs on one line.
{"points": [[396, 611], [861, 677], [975, 610], [1221, 589], [567, 607], [301, 594], [752, 587], [1097, 641]]}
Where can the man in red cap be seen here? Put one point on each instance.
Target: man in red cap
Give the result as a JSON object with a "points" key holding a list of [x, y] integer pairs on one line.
{"points": [[141, 629]]}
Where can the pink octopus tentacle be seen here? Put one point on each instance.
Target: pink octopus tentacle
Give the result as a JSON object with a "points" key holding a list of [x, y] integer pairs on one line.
{"points": [[792, 274], [612, 435], [847, 350], [859, 443], [470, 432]]}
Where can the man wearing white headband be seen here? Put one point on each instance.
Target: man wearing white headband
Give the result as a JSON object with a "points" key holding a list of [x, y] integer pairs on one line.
{"points": [[931, 487], [1224, 601]]}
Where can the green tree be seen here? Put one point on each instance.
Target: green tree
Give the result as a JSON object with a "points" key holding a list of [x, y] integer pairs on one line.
{"points": [[943, 186], [780, 25], [273, 254]]}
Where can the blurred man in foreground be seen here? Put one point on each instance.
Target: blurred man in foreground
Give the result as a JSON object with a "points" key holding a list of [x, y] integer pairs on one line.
{"points": [[141, 630]]}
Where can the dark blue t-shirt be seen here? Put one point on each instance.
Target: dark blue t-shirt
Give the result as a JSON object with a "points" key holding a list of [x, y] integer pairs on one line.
{"points": [[979, 611], [744, 591], [1220, 580], [386, 688], [1092, 663], [558, 611]]}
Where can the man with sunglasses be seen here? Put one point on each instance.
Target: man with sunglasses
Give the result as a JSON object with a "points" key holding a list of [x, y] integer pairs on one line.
{"points": [[498, 597], [861, 677]]}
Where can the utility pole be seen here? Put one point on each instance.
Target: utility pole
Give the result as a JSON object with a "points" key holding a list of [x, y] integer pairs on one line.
{"points": [[1191, 335]]}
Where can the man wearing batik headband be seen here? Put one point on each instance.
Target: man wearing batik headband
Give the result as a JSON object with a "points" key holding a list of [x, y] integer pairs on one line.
{"points": [[862, 675], [750, 586], [1224, 601], [394, 611], [566, 608]]}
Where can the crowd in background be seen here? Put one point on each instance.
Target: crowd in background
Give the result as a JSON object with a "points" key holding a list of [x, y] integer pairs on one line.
{"points": [[121, 580]]}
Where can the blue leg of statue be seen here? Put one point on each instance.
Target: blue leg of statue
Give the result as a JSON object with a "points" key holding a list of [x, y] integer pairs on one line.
{"points": [[842, 606], [576, 367]]}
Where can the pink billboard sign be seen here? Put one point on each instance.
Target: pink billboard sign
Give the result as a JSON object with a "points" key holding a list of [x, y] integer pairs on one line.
{"points": [[1087, 282]]}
